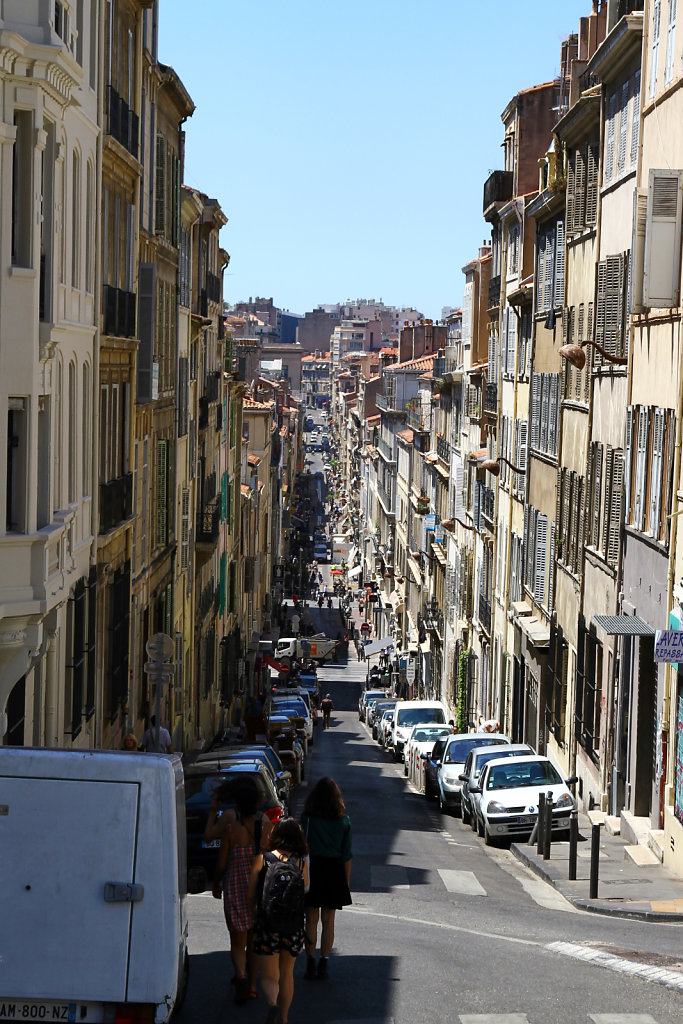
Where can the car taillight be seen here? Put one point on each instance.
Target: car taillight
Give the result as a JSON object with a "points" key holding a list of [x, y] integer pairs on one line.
{"points": [[273, 814], [134, 1013]]}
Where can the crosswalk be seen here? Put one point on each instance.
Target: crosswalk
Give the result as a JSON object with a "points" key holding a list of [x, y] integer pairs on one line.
{"points": [[518, 1018]]}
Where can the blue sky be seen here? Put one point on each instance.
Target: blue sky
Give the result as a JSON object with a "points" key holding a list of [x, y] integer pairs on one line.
{"points": [[348, 143]]}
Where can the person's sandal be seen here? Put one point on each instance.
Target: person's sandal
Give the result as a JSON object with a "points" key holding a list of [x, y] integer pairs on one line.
{"points": [[241, 991], [322, 968], [272, 1015], [310, 968]]}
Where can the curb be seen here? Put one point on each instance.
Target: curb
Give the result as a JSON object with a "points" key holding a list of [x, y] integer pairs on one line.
{"points": [[581, 903]]}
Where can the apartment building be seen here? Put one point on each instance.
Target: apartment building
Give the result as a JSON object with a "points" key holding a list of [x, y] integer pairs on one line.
{"points": [[49, 310]]}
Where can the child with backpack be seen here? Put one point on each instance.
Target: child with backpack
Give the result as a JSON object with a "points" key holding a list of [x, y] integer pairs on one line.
{"points": [[279, 881]]}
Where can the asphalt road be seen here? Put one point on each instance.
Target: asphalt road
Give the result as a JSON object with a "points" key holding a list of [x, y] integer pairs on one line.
{"points": [[442, 929]]}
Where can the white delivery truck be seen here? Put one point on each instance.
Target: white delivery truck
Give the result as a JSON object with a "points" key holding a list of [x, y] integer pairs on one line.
{"points": [[92, 886], [318, 648]]}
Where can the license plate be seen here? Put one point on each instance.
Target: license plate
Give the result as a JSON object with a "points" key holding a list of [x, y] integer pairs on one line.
{"points": [[43, 1011], [213, 844], [525, 820]]}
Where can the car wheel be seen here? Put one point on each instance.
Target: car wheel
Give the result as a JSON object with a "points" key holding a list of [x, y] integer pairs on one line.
{"points": [[397, 756], [405, 768], [480, 829], [443, 807], [473, 822], [561, 837], [488, 838], [465, 815], [428, 789], [182, 985]]}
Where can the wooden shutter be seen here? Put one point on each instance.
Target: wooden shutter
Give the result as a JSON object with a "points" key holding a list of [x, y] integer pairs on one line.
{"points": [[628, 462], [597, 493], [160, 186], [565, 521], [571, 163], [541, 558], [654, 49], [559, 263], [548, 280], [641, 468], [589, 357], [614, 305], [553, 411], [536, 381], [185, 529], [581, 505], [525, 543], [668, 484], [580, 191], [608, 497], [521, 454], [600, 309], [609, 148], [635, 122], [615, 508], [545, 410], [623, 126], [592, 167], [575, 521], [551, 569], [670, 39], [656, 471], [661, 284], [146, 330], [162, 493]]}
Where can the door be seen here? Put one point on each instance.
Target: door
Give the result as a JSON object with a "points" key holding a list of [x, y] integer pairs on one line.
{"points": [[62, 841]]}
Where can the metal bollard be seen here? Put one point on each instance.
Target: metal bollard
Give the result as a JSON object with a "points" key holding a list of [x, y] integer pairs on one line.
{"points": [[595, 861], [540, 821], [573, 842], [547, 838]]}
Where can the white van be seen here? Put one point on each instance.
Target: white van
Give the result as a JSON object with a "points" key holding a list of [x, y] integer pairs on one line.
{"points": [[93, 877], [408, 713]]}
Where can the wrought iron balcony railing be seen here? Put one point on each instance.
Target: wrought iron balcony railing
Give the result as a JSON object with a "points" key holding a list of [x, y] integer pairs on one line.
{"points": [[497, 188], [443, 450], [491, 398], [122, 122], [116, 502]]}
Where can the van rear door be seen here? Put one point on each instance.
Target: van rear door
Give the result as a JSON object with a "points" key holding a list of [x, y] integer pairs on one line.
{"points": [[63, 841]]}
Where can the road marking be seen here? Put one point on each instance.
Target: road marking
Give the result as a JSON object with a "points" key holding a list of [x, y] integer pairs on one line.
{"points": [[496, 936], [599, 957], [622, 1018], [494, 1018], [388, 876], [464, 882], [541, 892], [365, 1020]]}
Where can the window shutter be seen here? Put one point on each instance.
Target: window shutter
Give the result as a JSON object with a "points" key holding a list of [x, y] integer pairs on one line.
{"points": [[548, 282], [635, 123], [623, 126], [545, 408], [609, 148], [160, 186], [535, 409], [146, 330], [571, 162], [162, 493], [476, 518], [654, 51], [558, 524], [600, 310], [656, 468], [593, 163], [589, 356], [597, 494], [185, 535], [670, 39], [559, 264], [551, 569], [580, 503], [615, 508], [575, 519], [640, 207], [588, 507], [566, 516], [641, 468], [540, 269], [525, 542], [608, 497], [531, 566], [628, 462], [669, 472], [541, 558], [510, 340], [662, 240], [580, 191], [521, 454], [553, 413]]}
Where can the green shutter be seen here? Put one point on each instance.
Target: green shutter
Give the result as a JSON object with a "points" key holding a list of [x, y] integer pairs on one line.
{"points": [[223, 574], [224, 497]]}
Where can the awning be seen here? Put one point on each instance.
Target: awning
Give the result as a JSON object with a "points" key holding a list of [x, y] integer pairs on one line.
{"points": [[378, 645], [352, 555], [623, 625], [337, 572], [355, 571], [397, 601], [440, 557]]}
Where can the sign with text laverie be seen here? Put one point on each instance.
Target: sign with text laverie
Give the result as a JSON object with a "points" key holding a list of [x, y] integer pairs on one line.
{"points": [[669, 645]]}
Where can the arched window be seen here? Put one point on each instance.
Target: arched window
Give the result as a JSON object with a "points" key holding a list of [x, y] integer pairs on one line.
{"points": [[86, 405], [76, 221], [89, 227], [71, 439]]}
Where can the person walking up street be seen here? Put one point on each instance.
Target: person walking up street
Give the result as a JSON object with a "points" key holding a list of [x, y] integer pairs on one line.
{"points": [[278, 904], [328, 833], [149, 738], [327, 707]]}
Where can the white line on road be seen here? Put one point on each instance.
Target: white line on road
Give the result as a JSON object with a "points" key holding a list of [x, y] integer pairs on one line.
{"points": [[622, 1018], [439, 924], [464, 882], [494, 1018], [599, 957]]}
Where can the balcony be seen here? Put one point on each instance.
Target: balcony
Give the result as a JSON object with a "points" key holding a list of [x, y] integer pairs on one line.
{"points": [[439, 367], [212, 385], [116, 502], [122, 122], [485, 613], [488, 504], [389, 403], [588, 81], [118, 312], [385, 449], [494, 292], [443, 450], [419, 418], [433, 617], [491, 398], [213, 287], [208, 522], [497, 188], [423, 505], [208, 600], [386, 498]]}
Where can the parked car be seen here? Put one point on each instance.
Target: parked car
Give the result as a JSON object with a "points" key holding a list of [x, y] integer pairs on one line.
{"points": [[201, 782], [262, 753], [365, 696], [453, 762], [284, 737], [297, 708], [420, 743], [376, 714], [476, 759], [510, 789], [432, 763], [384, 727], [408, 713], [320, 553]]}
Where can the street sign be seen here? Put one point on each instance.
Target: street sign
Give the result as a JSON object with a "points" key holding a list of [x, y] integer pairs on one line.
{"points": [[669, 645], [278, 572], [365, 627], [410, 671]]}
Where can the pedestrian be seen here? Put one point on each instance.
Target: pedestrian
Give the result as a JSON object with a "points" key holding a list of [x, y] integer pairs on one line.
{"points": [[327, 707], [149, 739], [328, 830], [243, 833], [279, 928]]}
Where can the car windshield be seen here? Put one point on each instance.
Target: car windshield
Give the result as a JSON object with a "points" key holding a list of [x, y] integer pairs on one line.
{"points": [[525, 773], [388, 715], [201, 788], [417, 716], [459, 749], [425, 735], [291, 708]]}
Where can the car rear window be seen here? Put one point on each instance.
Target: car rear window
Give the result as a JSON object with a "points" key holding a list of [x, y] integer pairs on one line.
{"points": [[425, 735], [418, 716], [526, 773]]}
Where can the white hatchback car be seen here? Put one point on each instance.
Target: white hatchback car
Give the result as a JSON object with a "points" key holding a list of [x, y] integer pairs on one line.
{"points": [[419, 743], [510, 789]]}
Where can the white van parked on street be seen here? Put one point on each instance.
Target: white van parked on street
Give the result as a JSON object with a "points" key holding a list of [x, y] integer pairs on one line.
{"points": [[93, 878], [408, 713]]}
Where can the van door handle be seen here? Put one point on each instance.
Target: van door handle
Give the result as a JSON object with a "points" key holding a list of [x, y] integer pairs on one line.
{"points": [[123, 892]]}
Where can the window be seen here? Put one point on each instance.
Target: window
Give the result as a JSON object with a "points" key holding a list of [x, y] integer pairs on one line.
{"points": [[670, 42], [605, 491], [89, 227], [556, 669], [654, 51], [662, 240], [569, 519], [648, 476], [544, 412], [22, 190], [163, 477], [536, 553], [611, 320], [76, 220], [582, 187], [550, 266], [588, 689]]}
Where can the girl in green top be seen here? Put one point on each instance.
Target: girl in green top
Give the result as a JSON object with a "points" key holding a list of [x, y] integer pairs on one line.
{"points": [[328, 832]]}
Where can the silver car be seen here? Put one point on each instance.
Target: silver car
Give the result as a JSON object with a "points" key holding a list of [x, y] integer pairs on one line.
{"points": [[453, 763]]}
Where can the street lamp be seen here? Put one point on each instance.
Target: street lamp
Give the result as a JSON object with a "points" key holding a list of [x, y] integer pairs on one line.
{"points": [[493, 465], [577, 357]]}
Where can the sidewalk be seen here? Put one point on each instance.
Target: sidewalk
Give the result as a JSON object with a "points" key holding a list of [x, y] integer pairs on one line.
{"points": [[650, 893]]}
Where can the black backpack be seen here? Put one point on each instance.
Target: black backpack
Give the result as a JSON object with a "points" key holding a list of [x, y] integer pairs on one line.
{"points": [[282, 896]]}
